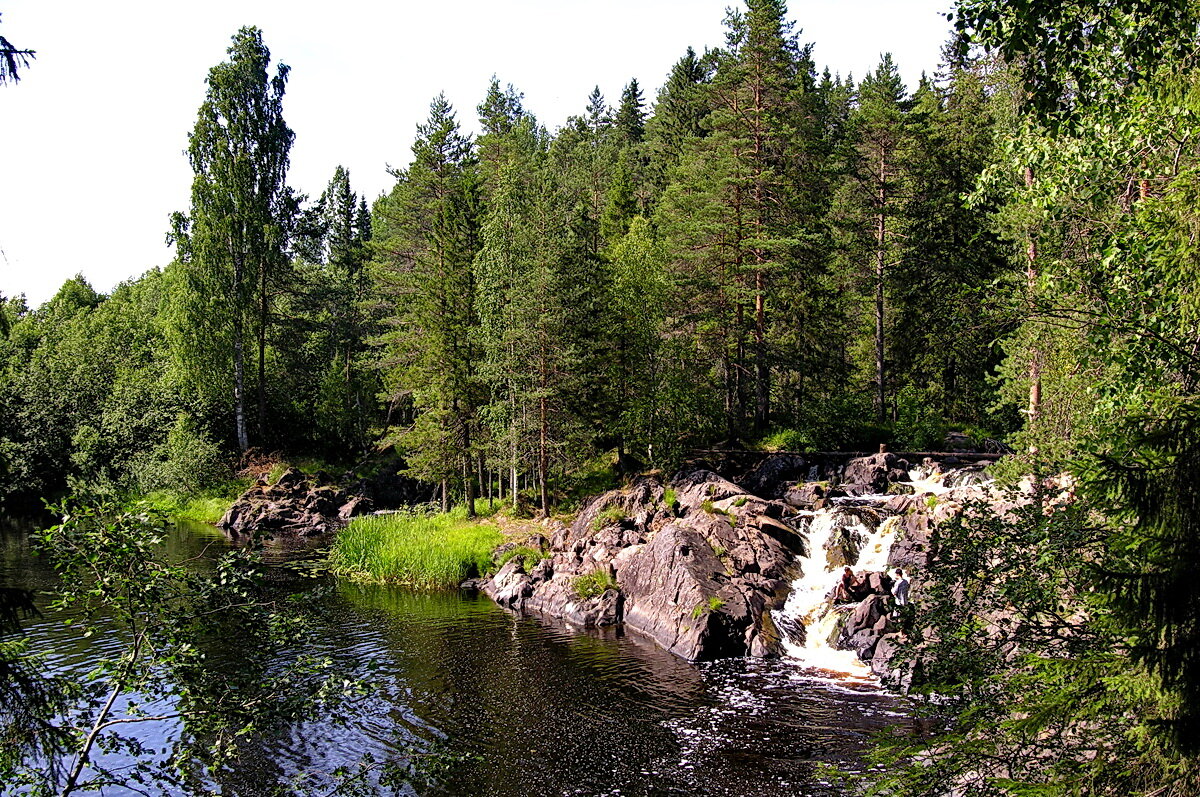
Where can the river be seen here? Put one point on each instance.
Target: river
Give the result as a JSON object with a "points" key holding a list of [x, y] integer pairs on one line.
{"points": [[520, 706]]}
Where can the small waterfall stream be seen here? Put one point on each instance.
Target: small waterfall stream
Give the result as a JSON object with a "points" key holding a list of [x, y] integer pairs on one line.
{"points": [[857, 532]]}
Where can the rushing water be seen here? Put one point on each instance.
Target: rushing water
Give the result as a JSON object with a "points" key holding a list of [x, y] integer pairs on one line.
{"points": [[523, 707]]}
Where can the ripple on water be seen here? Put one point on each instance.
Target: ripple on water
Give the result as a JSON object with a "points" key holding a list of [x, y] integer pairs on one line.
{"points": [[528, 708]]}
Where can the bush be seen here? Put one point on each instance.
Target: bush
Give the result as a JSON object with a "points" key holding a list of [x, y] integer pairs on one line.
{"points": [[787, 440], [188, 462], [593, 585], [530, 555], [614, 514]]}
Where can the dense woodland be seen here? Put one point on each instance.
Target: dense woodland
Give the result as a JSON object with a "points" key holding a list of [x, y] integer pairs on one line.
{"points": [[761, 254], [765, 250]]}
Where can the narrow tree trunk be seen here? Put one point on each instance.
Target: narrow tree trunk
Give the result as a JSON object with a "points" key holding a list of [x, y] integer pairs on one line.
{"points": [[445, 495], [880, 266], [239, 365], [262, 351], [543, 458], [1035, 354], [762, 382]]}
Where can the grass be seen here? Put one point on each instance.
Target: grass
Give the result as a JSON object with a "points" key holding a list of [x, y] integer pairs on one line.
{"points": [[593, 585], [207, 507], [422, 551], [671, 499], [531, 555], [614, 514], [713, 604]]}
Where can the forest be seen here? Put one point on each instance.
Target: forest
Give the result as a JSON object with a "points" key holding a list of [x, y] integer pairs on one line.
{"points": [[765, 252], [761, 254]]}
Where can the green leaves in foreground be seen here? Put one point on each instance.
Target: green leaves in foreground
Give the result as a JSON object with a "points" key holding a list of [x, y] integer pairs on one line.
{"points": [[169, 626], [1021, 668]]}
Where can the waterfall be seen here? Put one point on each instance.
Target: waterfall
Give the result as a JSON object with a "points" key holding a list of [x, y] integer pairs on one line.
{"points": [[855, 532], [841, 535]]}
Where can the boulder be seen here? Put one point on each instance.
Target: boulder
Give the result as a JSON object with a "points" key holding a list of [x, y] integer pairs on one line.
{"points": [[770, 477], [876, 471], [294, 506], [698, 578]]}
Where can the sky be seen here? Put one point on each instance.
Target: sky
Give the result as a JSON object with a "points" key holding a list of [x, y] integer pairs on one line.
{"points": [[92, 139]]}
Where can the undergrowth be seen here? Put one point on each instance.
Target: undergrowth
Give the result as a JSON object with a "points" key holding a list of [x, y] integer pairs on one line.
{"points": [[421, 551]]}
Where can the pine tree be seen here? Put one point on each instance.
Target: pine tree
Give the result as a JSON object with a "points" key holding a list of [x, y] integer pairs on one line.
{"points": [[878, 128], [427, 234]]}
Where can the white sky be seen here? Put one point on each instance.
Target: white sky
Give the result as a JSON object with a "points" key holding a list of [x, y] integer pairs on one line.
{"points": [[92, 139]]}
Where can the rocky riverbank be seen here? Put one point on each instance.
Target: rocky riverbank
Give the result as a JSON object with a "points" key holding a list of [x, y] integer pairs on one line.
{"points": [[703, 564]]}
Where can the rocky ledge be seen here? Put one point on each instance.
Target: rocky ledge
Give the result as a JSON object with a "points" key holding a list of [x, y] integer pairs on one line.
{"points": [[698, 562], [295, 505]]}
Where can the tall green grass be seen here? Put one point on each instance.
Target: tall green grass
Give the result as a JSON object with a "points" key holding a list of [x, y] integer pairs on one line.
{"points": [[422, 551], [207, 508]]}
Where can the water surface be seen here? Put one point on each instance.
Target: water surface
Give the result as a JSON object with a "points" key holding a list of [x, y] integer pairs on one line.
{"points": [[517, 706]]}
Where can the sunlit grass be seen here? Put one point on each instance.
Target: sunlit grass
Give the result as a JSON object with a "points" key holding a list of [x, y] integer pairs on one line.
{"points": [[208, 508], [423, 551]]}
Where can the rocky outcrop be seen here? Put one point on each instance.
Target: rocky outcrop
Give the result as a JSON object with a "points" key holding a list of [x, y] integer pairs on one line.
{"points": [[698, 563], [698, 577], [294, 506], [872, 475]]}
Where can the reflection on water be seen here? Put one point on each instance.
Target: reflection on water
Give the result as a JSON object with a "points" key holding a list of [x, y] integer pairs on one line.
{"points": [[524, 707]]}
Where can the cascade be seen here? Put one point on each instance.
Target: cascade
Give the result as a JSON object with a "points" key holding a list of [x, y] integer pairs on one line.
{"points": [[854, 532]]}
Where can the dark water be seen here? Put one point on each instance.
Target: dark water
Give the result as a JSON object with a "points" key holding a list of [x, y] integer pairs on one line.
{"points": [[519, 707]]}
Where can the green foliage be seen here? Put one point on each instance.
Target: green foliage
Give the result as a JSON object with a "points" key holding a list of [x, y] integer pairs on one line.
{"points": [[671, 499], [1025, 673], [414, 550], [593, 585], [610, 516], [787, 440], [233, 242], [530, 556], [161, 621], [713, 604], [188, 462]]}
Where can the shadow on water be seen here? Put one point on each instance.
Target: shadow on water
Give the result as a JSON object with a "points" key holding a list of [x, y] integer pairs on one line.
{"points": [[520, 706]]}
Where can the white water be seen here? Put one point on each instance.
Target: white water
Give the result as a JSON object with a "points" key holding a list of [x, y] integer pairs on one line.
{"points": [[821, 569]]}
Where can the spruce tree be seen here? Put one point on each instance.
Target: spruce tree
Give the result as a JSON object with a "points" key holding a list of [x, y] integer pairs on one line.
{"points": [[426, 237]]}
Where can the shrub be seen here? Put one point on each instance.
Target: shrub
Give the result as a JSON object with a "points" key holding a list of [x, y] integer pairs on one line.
{"points": [[614, 514], [593, 585], [713, 604], [787, 440], [671, 499], [530, 555]]}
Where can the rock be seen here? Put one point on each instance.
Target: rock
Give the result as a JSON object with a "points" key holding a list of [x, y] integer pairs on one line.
{"points": [[875, 471], [804, 496], [294, 506], [770, 476], [701, 584]]}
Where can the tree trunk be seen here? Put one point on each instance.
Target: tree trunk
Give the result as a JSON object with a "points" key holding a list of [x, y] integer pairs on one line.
{"points": [[880, 266], [445, 496], [239, 366], [262, 349], [1035, 355], [543, 458]]}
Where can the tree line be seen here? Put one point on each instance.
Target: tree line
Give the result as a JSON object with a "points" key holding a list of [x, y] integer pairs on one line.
{"points": [[766, 251]]}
